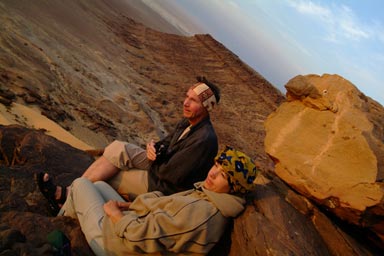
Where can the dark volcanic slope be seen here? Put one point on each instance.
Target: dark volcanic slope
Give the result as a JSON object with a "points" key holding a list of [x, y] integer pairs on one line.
{"points": [[90, 67]]}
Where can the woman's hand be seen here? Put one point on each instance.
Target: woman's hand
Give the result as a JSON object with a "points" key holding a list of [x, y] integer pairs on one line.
{"points": [[151, 151], [113, 209]]}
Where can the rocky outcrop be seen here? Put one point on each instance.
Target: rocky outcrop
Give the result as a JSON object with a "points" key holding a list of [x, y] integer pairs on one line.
{"points": [[24, 214], [97, 72], [281, 222], [109, 77], [328, 146], [277, 220]]}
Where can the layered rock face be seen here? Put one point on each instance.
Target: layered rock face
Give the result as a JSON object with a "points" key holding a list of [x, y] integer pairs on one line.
{"points": [[327, 141], [93, 69], [102, 75]]}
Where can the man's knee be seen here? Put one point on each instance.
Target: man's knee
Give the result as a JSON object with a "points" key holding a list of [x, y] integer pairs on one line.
{"points": [[114, 148], [117, 154]]}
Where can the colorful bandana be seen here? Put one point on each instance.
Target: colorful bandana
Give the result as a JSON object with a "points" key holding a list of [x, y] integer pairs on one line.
{"points": [[240, 168], [205, 95]]}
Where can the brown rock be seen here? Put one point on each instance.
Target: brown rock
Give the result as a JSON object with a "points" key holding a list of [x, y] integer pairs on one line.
{"points": [[118, 79], [282, 222], [23, 209], [103, 75], [327, 148]]}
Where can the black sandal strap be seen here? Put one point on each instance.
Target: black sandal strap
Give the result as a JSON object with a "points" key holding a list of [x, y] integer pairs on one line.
{"points": [[48, 189]]}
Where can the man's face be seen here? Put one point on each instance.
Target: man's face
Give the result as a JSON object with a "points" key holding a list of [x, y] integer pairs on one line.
{"points": [[193, 108], [217, 180]]}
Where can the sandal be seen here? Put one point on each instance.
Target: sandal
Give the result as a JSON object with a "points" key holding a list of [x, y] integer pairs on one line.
{"points": [[48, 189]]}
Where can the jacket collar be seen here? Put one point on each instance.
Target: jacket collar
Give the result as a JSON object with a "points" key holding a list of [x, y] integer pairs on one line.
{"points": [[207, 119], [229, 205], [186, 123]]}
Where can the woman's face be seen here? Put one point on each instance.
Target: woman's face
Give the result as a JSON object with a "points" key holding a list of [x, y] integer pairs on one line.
{"points": [[217, 180]]}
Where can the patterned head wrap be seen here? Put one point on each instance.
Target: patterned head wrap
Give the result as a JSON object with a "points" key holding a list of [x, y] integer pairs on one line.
{"points": [[240, 169], [205, 95]]}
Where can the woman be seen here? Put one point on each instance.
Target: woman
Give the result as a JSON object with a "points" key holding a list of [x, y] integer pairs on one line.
{"points": [[187, 222]]}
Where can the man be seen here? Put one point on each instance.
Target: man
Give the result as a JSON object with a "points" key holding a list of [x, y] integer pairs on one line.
{"points": [[190, 222], [171, 165]]}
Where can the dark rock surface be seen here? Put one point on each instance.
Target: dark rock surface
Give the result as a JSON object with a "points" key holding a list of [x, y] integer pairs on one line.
{"points": [[24, 214], [277, 220]]}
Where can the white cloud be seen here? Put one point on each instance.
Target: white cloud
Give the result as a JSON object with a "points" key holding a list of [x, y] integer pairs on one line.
{"points": [[312, 9], [321, 15], [352, 31], [379, 30], [234, 4], [339, 21], [350, 25]]}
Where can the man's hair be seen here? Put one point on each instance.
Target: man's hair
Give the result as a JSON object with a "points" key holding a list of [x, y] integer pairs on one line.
{"points": [[212, 86]]}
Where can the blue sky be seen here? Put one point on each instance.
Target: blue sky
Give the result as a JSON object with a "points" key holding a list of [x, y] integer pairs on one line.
{"points": [[283, 38]]}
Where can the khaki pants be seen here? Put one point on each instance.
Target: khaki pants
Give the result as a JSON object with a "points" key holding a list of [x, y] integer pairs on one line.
{"points": [[132, 160]]}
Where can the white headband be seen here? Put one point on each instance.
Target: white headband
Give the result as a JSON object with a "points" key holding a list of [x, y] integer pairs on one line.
{"points": [[205, 95]]}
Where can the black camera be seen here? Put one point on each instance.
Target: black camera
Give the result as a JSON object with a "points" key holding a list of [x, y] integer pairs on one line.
{"points": [[160, 150]]}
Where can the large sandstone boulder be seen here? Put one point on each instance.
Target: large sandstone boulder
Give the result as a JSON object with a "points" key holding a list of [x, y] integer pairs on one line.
{"points": [[327, 143]]}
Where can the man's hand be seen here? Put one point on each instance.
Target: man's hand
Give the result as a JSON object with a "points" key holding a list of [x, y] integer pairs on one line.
{"points": [[151, 151], [113, 209]]}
